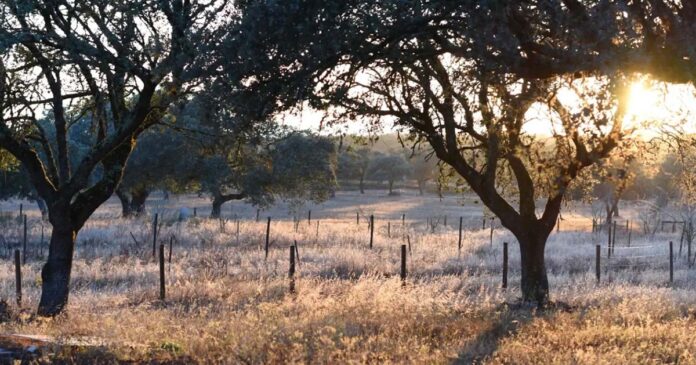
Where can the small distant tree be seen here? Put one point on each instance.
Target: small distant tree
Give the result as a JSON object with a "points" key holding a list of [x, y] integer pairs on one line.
{"points": [[390, 168], [159, 161], [423, 169], [353, 164]]}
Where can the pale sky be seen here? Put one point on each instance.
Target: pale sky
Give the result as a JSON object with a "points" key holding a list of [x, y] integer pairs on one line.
{"points": [[651, 104]]}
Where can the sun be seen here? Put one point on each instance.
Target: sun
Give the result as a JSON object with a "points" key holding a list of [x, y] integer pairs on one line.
{"points": [[643, 101]]}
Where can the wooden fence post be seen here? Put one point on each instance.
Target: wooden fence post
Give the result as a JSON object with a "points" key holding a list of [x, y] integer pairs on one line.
{"points": [[171, 246], [297, 253], [671, 263], [608, 240], [268, 233], [24, 252], [484, 223], [445, 223], [21, 210], [403, 220], [389, 229], [291, 270], [195, 212], [598, 254], [505, 265], [309, 217], [257, 214], [161, 269], [154, 235], [372, 229], [459, 241], [18, 278], [613, 237], [403, 264], [630, 231], [357, 218]]}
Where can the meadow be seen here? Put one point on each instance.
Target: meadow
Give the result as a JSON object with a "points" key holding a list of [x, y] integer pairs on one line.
{"points": [[227, 303]]}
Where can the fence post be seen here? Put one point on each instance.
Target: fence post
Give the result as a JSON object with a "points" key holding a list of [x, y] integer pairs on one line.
{"points": [[609, 240], [484, 223], [403, 220], [291, 270], [403, 264], [671, 262], [613, 238], [21, 209], [598, 259], [24, 253], [268, 233], [171, 246], [309, 217], [372, 229], [459, 242], [389, 229], [161, 269], [445, 223], [257, 214], [297, 253], [357, 218], [18, 278], [505, 265], [195, 212], [154, 235], [558, 224], [630, 231]]}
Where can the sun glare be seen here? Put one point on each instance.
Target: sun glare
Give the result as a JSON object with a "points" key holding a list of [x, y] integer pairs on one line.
{"points": [[644, 101]]}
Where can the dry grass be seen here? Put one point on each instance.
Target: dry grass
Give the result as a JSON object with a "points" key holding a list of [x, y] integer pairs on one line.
{"points": [[227, 305]]}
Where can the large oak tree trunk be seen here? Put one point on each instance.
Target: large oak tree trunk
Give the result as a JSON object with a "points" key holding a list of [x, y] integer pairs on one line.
{"points": [[534, 281], [55, 275]]}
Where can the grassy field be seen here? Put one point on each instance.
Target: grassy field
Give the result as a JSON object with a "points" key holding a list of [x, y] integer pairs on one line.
{"points": [[226, 304]]}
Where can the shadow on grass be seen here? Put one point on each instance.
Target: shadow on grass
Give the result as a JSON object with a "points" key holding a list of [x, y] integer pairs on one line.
{"points": [[514, 316]]}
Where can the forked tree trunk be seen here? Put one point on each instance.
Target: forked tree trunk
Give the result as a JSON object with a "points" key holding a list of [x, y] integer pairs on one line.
{"points": [[55, 275]]}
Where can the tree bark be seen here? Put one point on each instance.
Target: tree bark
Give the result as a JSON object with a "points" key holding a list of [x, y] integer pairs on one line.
{"points": [[534, 281], [55, 275]]}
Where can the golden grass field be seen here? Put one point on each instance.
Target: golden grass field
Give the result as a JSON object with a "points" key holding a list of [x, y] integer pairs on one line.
{"points": [[226, 304]]}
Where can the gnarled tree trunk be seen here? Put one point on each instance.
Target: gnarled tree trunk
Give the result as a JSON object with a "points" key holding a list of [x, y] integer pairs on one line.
{"points": [[220, 199], [55, 275]]}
